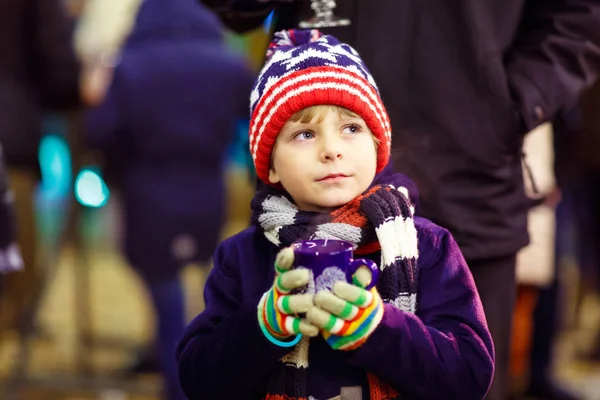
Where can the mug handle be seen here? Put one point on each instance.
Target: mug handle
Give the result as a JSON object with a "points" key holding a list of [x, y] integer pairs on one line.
{"points": [[363, 262]]}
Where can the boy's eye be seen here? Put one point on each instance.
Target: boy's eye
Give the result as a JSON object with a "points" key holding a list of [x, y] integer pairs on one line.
{"points": [[305, 135], [352, 129]]}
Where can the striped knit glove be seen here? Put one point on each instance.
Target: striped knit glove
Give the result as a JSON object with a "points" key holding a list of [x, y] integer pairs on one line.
{"points": [[349, 315], [278, 309]]}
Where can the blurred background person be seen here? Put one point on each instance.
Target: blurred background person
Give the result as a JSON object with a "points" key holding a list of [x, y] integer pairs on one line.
{"points": [[551, 301], [102, 27], [39, 72], [10, 254], [176, 96], [536, 266], [587, 200]]}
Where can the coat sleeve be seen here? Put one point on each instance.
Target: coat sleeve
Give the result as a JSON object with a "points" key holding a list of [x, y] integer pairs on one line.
{"points": [[445, 351], [556, 55], [53, 52], [223, 354]]}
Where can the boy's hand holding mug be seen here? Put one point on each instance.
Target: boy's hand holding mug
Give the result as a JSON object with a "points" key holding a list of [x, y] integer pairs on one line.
{"points": [[349, 313], [347, 307], [280, 308]]}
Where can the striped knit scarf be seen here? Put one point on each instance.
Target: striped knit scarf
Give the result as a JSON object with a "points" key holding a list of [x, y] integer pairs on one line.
{"points": [[379, 220]]}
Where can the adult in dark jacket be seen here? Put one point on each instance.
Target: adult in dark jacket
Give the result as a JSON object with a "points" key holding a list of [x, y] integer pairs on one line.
{"points": [[38, 72], [463, 81], [167, 118]]}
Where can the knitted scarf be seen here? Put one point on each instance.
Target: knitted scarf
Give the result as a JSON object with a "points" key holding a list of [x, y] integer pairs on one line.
{"points": [[381, 219]]}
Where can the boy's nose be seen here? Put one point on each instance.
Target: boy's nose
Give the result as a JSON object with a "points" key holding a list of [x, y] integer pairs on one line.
{"points": [[333, 155], [331, 149]]}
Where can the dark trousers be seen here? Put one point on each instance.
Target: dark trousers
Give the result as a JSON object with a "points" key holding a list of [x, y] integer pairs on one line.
{"points": [[545, 326], [168, 301], [495, 280], [20, 289]]}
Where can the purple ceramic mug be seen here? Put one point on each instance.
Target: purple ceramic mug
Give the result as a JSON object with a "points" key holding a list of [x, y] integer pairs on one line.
{"points": [[330, 261]]}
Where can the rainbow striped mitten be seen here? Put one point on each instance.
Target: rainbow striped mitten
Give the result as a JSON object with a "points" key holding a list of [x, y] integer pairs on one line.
{"points": [[348, 315], [278, 309]]}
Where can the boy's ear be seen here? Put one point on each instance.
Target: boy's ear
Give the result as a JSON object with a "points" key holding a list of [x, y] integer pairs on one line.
{"points": [[273, 176]]}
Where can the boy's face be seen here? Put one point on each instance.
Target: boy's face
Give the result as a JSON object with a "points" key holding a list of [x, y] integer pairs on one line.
{"points": [[324, 163]]}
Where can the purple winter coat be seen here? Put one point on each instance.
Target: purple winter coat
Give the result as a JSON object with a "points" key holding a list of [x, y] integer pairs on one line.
{"points": [[445, 351], [168, 117]]}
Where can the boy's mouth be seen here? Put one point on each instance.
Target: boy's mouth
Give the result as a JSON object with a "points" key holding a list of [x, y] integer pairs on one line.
{"points": [[332, 177]]}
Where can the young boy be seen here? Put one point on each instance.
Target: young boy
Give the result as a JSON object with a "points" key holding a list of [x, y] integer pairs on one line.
{"points": [[320, 140]]}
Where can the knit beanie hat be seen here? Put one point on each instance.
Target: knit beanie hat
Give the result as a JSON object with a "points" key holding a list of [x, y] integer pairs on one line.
{"points": [[305, 68]]}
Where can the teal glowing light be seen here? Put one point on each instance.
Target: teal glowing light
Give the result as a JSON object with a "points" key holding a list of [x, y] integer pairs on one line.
{"points": [[55, 164], [90, 189]]}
